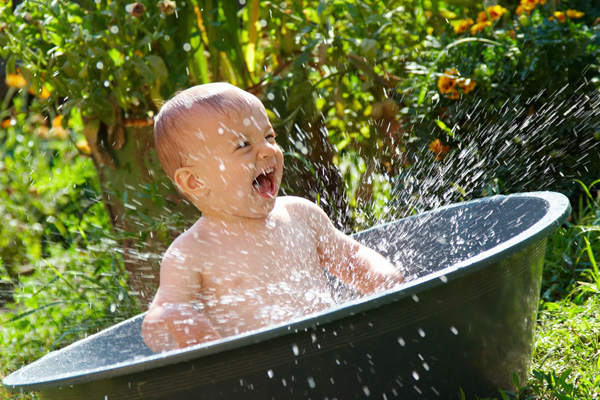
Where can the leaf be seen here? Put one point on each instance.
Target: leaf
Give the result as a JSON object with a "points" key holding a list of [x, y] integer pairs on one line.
{"points": [[144, 71], [158, 66]]}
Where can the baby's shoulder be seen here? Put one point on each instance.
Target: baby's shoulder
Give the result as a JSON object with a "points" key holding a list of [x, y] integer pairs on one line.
{"points": [[302, 210], [296, 204], [190, 246]]}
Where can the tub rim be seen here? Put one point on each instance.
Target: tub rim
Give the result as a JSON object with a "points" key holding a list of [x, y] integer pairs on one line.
{"points": [[558, 210]]}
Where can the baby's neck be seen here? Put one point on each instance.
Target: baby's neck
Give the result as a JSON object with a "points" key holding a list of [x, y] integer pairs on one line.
{"points": [[239, 224]]}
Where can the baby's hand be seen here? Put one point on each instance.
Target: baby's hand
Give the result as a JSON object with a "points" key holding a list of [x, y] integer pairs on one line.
{"points": [[176, 325]]}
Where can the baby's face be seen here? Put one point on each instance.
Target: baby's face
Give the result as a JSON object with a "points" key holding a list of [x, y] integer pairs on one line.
{"points": [[238, 161]]}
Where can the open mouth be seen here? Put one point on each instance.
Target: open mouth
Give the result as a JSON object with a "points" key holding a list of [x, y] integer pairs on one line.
{"points": [[264, 183]]}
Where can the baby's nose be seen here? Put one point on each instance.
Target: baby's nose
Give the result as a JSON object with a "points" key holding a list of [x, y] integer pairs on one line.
{"points": [[267, 150]]}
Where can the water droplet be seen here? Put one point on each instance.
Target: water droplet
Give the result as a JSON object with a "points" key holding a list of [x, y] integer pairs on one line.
{"points": [[415, 298], [401, 341], [246, 122], [222, 166], [114, 29], [187, 47], [421, 332], [113, 307], [106, 83], [221, 131], [311, 382], [454, 330], [129, 8], [415, 375], [366, 391], [444, 278], [99, 65], [270, 373], [263, 23], [295, 349], [270, 96], [425, 366]]}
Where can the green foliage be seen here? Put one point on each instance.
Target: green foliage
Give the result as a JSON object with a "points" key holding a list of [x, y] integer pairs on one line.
{"points": [[366, 83], [63, 279], [98, 57], [530, 122]]}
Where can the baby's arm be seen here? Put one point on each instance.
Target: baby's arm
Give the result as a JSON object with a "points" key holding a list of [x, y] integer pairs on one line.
{"points": [[172, 322], [361, 267]]}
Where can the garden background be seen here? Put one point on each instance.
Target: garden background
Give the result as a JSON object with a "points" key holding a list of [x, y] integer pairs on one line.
{"points": [[383, 109]]}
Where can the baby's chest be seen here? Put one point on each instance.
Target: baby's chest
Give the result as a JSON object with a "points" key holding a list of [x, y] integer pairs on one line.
{"points": [[284, 255]]}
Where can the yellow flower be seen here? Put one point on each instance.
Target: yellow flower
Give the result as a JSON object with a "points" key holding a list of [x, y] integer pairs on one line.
{"points": [[559, 15], [83, 146], [16, 80], [462, 25], [574, 14], [527, 6], [493, 12], [479, 27]]}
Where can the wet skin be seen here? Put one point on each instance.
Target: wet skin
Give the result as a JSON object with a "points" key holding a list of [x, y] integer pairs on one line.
{"points": [[253, 259]]}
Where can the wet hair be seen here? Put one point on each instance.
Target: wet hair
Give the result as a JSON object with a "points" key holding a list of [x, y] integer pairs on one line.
{"points": [[181, 117]]}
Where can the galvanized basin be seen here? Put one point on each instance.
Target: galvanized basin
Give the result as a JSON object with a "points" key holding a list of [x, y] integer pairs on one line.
{"points": [[464, 320]]}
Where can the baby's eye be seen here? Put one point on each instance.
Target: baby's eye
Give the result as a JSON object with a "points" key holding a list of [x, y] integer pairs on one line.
{"points": [[271, 136], [243, 144]]}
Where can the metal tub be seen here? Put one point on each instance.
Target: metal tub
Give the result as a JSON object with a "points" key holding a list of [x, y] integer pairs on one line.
{"points": [[464, 321]]}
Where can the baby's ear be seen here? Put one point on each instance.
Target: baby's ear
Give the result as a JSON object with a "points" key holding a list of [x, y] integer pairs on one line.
{"points": [[189, 183]]}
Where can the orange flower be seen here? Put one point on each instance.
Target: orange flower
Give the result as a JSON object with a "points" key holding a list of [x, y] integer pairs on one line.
{"points": [[438, 148], [466, 85], [43, 94], [574, 14], [493, 12], [57, 128], [559, 15], [16, 80], [6, 123], [480, 26], [449, 83], [462, 25]]}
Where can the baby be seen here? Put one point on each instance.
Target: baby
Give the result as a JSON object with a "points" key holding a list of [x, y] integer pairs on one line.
{"points": [[253, 259]]}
